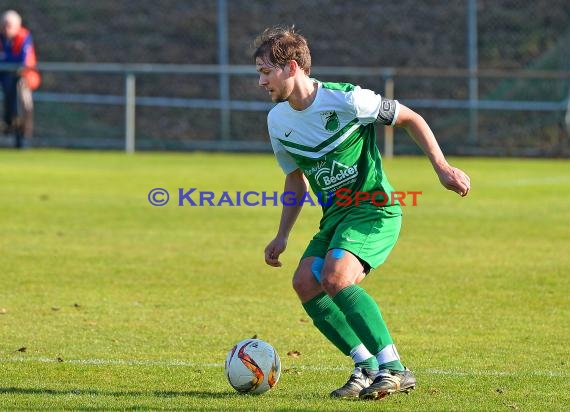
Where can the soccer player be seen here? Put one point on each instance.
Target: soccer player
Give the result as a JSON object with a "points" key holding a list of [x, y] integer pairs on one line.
{"points": [[323, 136], [16, 46]]}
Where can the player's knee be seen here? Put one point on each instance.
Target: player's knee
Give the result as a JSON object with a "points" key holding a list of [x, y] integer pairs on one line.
{"points": [[300, 281], [333, 282], [296, 283], [305, 284], [329, 282]]}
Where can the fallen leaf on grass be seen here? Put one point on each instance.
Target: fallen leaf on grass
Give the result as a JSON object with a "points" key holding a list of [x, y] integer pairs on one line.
{"points": [[303, 320], [59, 359], [22, 349], [294, 353], [3, 311], [292, 370], [55, 308]]}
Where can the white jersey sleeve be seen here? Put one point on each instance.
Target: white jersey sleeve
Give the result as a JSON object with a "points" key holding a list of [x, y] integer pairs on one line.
{"points": [[284, 159], [371, 107]]}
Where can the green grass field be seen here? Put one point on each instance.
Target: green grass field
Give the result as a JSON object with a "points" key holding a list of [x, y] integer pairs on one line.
{"points": [[122, 305]]}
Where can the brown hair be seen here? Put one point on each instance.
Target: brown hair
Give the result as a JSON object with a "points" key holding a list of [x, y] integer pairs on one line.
{"points": [[279, 45]]}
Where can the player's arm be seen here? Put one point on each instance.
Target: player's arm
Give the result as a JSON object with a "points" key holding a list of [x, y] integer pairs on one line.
{"points": [[450, 177], [296, 183]]}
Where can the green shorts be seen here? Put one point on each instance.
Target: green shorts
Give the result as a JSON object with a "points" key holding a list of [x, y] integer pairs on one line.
{"points": [[366, 231]]}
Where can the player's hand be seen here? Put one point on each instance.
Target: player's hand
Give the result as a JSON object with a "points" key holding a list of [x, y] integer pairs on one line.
{"points": [[454, 179], [273, 250]]}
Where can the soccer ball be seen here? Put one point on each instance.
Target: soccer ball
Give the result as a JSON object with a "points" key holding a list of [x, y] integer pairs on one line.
{"points": [[252, 366]]}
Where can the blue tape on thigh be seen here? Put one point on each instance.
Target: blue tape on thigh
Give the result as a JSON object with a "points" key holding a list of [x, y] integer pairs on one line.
{"points": [[317, 267], [338, 253]]}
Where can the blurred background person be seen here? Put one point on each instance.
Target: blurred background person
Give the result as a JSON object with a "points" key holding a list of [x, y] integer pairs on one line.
{"points": [[16, 46]]}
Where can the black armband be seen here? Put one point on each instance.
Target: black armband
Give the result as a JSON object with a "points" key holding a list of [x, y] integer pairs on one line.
{"points": [[387, 111]]}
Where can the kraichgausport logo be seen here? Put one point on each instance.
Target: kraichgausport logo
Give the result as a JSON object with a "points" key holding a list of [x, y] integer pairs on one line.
{"points": [[342, 197]]}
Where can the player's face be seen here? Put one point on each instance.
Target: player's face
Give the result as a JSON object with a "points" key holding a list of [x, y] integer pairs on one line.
{"points": [[275, 80]]}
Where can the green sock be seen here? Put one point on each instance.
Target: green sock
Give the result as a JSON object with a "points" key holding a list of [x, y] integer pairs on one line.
{"points": [[331, 322], [363, 315], [393, 365], [371, 364]]}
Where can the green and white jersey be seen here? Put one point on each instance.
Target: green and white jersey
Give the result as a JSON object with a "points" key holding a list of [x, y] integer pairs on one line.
{"points": [[333, 141]]}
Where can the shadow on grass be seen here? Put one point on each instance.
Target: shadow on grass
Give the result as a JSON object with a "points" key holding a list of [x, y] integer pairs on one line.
{"points": [[93, 392]]}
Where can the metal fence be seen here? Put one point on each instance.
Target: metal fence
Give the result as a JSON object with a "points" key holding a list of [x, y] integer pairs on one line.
{"points": [[490, 77], [129, 101]]}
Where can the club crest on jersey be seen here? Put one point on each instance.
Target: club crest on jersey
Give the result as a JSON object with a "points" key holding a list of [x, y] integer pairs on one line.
{"points": [[330, 120]]}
